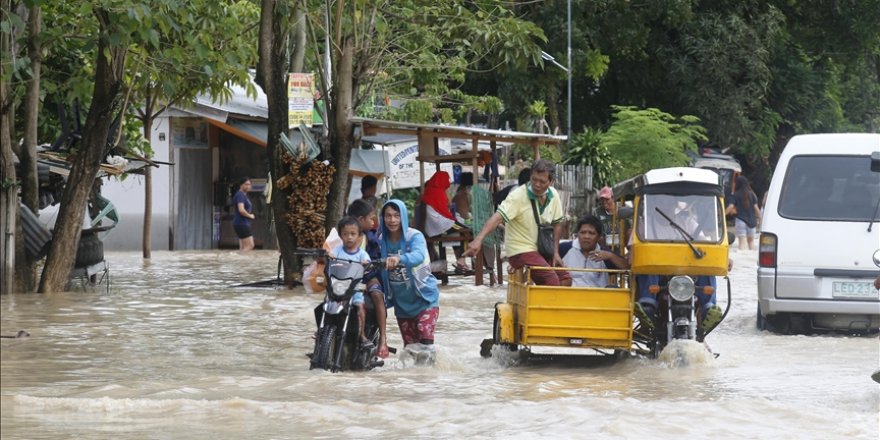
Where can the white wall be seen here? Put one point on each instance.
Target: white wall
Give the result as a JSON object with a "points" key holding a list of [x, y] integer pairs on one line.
{"points": [[128, 197]]}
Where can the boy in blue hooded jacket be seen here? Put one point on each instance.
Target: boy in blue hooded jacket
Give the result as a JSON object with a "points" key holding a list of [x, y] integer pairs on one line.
{"points": [[408, 282]]}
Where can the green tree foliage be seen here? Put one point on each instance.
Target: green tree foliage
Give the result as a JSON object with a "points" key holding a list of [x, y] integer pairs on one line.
{"points": [[411, 50], [203, 49], [644, 139], [755, 73], [113, 56], [587, 148], [718, 68]]}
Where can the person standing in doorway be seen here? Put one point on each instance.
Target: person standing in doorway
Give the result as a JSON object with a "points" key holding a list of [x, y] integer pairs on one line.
{"points": [[242, 216]]}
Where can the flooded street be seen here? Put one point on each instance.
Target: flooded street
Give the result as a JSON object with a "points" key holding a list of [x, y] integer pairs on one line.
{"points": [[173, 352]]}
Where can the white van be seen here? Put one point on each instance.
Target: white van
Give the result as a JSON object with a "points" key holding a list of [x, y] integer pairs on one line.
{"points": [[819, 236]]}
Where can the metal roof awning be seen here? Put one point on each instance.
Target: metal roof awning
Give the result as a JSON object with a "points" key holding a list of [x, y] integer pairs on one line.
{"points": [[58, 164], [428, 134], [369, 162], [251, 131], [363, 162]]}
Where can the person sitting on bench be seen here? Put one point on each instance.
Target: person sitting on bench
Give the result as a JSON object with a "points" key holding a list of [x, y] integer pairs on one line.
{"points": [[438, 217]]}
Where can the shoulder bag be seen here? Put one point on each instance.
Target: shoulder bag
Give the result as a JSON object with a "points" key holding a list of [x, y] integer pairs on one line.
{"points": [[546, 239]]}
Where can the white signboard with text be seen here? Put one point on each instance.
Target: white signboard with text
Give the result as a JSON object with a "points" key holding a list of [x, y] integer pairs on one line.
{"points": [[405, 167]]}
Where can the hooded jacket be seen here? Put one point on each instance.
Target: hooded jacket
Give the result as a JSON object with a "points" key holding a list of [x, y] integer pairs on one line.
{"points": [[421, 293]]}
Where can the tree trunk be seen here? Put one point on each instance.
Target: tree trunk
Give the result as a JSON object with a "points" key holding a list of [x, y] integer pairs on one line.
{"points": [[148, 211], [8, 191], [26, 270], [297, 60], [30, 191], [272, 71], [342, 133], [110, 65], [148, 182]]}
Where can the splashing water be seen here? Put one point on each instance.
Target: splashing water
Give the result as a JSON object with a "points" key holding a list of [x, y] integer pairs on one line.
{"points": [[686, 353]]}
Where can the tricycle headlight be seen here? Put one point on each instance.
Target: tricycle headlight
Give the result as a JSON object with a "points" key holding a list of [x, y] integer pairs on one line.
{"points": [[681, 288]]}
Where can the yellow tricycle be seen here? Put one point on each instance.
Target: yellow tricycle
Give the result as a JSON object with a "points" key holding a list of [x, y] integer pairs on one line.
{"points": [[677, 245]]}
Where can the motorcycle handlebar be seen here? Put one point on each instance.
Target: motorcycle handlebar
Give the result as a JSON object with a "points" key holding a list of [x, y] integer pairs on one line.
{"points": [[379, 262], [309, 252]]}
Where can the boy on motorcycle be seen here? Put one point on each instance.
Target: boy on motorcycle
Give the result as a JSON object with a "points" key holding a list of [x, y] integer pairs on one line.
{"points": [[350, 232], [365, 214]]}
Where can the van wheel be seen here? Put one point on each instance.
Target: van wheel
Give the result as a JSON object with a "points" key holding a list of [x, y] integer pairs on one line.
{"points": [[761, 322], [779, 323]]}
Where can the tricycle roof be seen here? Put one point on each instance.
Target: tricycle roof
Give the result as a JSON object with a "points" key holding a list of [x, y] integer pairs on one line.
{"points": [[677, 180]]}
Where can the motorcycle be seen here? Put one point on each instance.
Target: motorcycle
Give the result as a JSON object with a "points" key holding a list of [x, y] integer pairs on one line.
{"points": [[676, 316], [680, 244], [337, 345]]}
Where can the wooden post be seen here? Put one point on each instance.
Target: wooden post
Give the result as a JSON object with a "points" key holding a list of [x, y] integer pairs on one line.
{"points": [[475, 163], [496, 251]]}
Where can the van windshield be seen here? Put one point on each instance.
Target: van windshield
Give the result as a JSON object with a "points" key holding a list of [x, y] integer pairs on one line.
{"points": [[838, 188]]}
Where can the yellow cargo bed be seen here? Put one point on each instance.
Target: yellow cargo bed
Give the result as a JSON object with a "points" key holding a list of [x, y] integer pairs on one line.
{"points": [[566, 316]]}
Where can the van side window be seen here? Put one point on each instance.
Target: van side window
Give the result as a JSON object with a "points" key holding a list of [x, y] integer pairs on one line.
{"points": [[839, 188]]}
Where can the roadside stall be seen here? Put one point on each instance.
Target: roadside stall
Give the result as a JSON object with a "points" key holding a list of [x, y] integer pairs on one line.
{"points": [[429, 137]]}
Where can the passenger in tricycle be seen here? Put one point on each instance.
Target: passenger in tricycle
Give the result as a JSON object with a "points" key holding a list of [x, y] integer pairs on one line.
{"points": [[588, 252]]}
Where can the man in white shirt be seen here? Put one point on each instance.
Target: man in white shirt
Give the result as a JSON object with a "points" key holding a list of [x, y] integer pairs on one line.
{"points": [[586, 253]]}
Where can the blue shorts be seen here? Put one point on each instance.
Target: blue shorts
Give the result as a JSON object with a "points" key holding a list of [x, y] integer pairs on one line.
{"points": [[357, 299]]}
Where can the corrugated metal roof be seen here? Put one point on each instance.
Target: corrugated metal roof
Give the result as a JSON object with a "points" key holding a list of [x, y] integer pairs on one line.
{"points": [[240, 103], [511, 136]]}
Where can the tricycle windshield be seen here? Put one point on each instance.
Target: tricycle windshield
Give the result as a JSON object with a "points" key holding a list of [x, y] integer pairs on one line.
{"points": [[679, 218], [346, 270]]}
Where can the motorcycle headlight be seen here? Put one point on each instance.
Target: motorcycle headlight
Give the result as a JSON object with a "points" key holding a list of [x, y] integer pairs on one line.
{"points": [[339, 286], [681, 288]]}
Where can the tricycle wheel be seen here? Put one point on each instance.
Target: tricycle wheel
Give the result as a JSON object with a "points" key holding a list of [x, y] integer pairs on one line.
{"points": [[496, 335]]}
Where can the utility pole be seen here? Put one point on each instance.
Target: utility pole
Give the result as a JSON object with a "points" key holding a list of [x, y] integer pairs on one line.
{"points": [[568, 128]]}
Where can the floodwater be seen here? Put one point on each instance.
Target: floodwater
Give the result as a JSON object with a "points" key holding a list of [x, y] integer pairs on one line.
{"points": [[172, 351]]}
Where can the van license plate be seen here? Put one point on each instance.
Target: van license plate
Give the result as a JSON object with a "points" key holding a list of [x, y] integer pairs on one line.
{"points": [[853, 289]]}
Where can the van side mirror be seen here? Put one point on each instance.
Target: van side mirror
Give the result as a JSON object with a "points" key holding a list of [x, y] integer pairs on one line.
{"points": [[875, 161]]}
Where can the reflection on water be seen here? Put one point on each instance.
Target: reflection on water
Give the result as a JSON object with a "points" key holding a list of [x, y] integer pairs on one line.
{"points": [[174, 352]]}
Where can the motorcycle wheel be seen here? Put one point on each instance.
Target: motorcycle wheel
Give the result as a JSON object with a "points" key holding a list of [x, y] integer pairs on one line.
{"points": [[321, 358]]}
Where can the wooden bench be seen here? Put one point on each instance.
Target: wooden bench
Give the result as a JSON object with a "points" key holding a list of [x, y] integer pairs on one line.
{"points": [[463, 236]]}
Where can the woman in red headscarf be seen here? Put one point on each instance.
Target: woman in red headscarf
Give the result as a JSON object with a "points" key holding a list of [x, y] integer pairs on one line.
{"points": [[438, 217]]}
